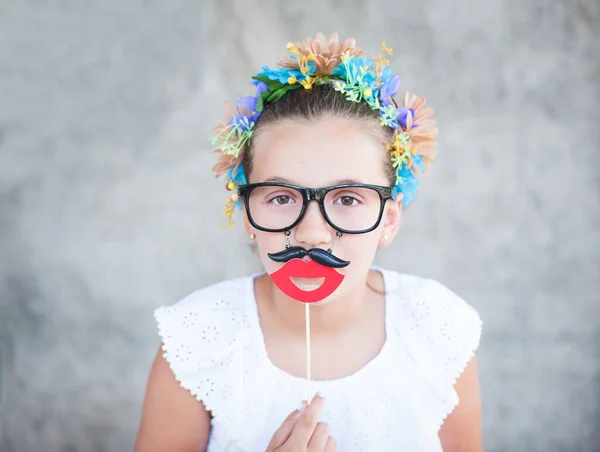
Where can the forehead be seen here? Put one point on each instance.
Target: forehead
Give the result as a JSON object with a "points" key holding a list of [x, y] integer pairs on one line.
{"points": [[318, 153]]}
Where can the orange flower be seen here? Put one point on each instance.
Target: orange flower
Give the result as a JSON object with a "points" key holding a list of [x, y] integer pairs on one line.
{"points": [[325, 54], [424, 135], [224, 163]]}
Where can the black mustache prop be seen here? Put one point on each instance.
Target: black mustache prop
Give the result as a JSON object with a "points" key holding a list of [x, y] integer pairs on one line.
{"points": [[316, 254]]}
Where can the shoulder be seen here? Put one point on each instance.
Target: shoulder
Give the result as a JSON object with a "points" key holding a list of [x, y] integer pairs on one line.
{"points": [[426, 303], [218, 302], [440, 330]]}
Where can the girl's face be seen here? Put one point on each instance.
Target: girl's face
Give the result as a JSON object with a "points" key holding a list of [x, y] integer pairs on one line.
{"points": [[320, 154]]}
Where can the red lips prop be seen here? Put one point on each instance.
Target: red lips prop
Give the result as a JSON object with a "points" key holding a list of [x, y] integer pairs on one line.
{"points": [[297, 268]]}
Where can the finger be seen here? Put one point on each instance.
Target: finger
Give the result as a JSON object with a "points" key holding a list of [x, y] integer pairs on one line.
{"points": [[308, 421], [319, 438], [331, 445], [283, 433]]}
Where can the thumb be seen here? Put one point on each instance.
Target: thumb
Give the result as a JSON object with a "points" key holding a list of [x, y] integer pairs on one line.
{"points": [[283, 433]]}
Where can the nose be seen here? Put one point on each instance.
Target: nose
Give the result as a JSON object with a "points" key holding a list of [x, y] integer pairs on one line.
{"points": [[313, 231]]}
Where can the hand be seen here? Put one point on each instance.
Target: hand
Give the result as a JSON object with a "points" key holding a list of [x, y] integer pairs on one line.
{"points": [[302, 431]]}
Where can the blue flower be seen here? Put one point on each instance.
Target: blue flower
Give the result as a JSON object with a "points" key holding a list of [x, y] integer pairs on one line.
{"points": [[351, 71], [240, 176], [418, 160], [388, 115], [238, 179], [312, 68], [408, 184], [281, 74], [387, 74]]}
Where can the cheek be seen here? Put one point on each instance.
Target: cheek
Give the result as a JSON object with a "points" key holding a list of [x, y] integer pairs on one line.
{"points": [[358, 249], [270, 242]]}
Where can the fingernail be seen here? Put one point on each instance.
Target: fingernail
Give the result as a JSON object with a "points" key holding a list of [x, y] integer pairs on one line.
{"points": [[301, 406], [320, 394]]}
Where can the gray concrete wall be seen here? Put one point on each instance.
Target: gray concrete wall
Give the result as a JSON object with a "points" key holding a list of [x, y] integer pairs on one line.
{"points": [[108, 207]]}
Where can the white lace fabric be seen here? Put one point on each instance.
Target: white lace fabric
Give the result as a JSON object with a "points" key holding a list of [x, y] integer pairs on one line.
{"points": [[214, 344]]}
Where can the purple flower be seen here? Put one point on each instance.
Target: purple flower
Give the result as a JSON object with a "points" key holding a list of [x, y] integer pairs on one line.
{"points": [[243, 121], [248, 104], [403, 114], [261, 87], [389, 89]]}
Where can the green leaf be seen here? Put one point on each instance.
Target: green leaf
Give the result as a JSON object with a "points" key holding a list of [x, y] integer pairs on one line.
{"points": [[259, 103], [278, 94]]}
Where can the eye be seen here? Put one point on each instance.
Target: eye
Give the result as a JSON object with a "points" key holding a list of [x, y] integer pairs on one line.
{"points": [[347, 201], [281, 200]]}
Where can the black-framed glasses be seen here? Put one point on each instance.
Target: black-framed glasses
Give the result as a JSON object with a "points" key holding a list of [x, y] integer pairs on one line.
{"points": [[348, 208]]}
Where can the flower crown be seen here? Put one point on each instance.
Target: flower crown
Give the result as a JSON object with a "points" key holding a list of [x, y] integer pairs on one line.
{"points": [[320, 61]]}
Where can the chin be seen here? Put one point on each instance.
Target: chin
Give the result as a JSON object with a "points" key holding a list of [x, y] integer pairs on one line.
{"points": [[323, 302]]}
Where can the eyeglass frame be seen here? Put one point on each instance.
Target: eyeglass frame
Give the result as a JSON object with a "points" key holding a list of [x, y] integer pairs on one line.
{"points": [[314, 194]]}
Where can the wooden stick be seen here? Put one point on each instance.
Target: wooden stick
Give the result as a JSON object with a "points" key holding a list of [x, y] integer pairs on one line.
{"points": [[307, 311]]}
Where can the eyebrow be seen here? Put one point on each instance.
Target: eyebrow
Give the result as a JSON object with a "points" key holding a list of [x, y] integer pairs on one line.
{"points": [[283, 180]]}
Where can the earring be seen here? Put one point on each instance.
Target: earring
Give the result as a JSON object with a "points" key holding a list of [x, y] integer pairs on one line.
{"points": [[252, 236], [385, 236]]}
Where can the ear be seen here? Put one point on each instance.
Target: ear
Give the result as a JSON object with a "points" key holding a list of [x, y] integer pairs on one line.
{"points": [[391, 220], [247, 226]]}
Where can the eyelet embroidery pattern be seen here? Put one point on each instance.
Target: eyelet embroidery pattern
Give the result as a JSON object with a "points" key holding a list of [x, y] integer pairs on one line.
{"points": [[221, 303], [190, 320], [183, 352], [212, 341], [210, 334]]}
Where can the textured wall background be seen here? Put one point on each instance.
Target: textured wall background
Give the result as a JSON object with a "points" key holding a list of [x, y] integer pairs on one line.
{"points": [[108, 207]]}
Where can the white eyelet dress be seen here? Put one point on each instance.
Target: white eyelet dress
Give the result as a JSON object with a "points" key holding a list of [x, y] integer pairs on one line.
{"points": [[397, 402]]}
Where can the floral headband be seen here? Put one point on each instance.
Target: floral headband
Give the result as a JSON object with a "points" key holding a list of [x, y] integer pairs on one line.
{"points": [[320, 61]]}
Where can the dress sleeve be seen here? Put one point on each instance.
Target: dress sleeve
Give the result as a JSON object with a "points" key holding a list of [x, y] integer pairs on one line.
{"points": [[442, 333]]}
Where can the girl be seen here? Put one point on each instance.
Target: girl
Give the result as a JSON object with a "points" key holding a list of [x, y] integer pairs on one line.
{"points": [[322, 159]]}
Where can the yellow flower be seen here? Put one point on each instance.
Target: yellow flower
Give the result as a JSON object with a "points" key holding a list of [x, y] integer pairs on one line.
{"points": [[386, 49], [292, 48], [381, 62], [230, 186], [304, 67], [367, 92], [292, 80], [307, 84]]}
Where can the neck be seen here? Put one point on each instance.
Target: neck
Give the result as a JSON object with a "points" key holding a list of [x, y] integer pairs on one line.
{"points": [[337, 315]]}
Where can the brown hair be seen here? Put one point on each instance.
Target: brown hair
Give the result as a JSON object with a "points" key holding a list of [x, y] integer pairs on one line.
{"points": [[321, 102]]}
